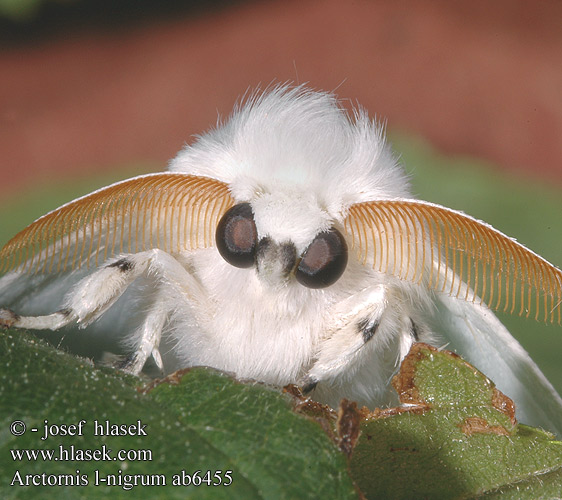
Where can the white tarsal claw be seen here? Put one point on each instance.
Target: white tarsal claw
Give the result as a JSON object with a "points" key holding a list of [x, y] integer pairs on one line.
{"points": [[150, 333], [158, 359]]}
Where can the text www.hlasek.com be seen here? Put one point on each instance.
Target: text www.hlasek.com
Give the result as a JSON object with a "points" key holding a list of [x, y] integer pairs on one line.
{"points": [[70, 453]]}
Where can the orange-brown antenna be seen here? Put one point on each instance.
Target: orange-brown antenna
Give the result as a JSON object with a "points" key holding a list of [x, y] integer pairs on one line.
{"points": [[456, 254], [170, 211]]}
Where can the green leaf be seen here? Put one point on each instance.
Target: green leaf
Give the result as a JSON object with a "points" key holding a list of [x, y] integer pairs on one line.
{"points": [[457, 439], [197, 420]]}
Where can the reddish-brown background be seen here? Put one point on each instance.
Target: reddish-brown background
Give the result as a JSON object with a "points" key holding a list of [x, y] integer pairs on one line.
{"points": [[481, 78]]}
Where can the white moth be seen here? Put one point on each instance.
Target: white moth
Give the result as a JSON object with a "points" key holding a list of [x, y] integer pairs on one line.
{"points": [[285, 246]]}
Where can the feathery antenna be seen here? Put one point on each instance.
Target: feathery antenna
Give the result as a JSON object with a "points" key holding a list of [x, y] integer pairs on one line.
{"points": [[454, 253], [170, 211]]}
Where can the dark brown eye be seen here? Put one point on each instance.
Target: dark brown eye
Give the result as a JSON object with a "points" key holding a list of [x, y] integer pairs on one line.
{"points": [[324, 261], [237, 236]]}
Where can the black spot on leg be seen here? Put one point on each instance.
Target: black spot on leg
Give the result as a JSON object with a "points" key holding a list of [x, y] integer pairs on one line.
{"points": [[367, 328], [414, 330], [123, 264], [307, 384]]}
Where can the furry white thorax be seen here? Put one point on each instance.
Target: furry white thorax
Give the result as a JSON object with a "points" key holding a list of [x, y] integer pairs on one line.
{"points": [[275, 335]]}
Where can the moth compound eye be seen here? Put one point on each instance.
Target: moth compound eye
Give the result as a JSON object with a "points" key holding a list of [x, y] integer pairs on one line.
{"points": [[324, 261], [236, 236]]}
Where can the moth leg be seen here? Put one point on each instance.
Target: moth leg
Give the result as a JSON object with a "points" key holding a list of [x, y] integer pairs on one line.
{"points": [[172, 280], [96, 293], [357, 319], [367, 338], [149, 334], [9, 319], [88, 299]]}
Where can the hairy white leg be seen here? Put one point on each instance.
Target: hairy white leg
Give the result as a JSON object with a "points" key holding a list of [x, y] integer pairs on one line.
{"points": [[88, 299], [93, 295], [346, 338], [360, 319], [149, 333]]}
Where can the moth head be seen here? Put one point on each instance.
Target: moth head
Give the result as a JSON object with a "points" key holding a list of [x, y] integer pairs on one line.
{"points": [[285, 237]]}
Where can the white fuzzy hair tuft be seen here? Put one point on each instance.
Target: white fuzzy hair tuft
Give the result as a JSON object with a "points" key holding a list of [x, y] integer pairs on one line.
{"points": [[296, 138]]}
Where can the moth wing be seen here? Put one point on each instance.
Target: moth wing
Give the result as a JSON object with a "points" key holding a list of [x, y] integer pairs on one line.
{"points": [[474, 331], [174, 212], [444, 250], [469, 265]]}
